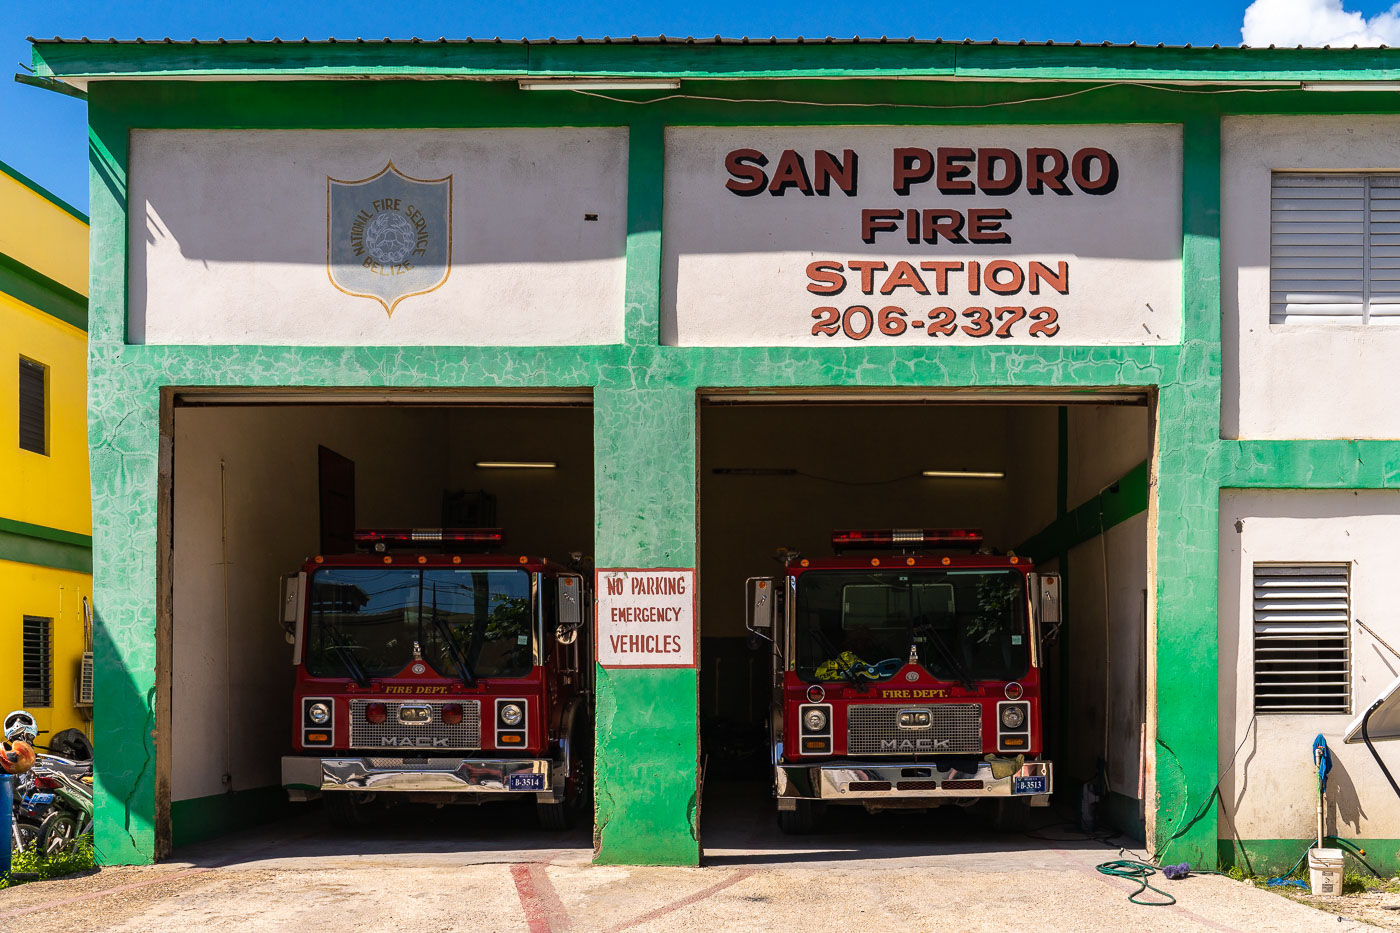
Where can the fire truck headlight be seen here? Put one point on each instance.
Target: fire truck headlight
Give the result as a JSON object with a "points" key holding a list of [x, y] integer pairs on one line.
{"points": [[318, 713], [511, 714], [815, 720], [1012, 717]]}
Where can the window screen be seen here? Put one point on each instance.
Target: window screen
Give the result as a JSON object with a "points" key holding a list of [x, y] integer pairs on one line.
{"points": [[1335, 249], [32, 417], [1302, 643], [38, 662]]}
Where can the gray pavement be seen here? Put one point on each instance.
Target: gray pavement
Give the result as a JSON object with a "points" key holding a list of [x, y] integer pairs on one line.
{"points": [[487, 869]]}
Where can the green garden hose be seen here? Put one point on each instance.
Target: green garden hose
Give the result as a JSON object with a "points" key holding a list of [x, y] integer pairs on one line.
{"points": [[1139, 872]]}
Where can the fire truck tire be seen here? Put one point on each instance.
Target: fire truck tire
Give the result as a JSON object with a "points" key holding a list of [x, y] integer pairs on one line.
{"points": [[555, 817], [345, 810], [1012, 815], [801, 821]]}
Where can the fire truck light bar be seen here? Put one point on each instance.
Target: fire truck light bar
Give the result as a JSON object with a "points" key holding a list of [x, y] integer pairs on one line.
{"points": [[906, 537], [484, 536]]}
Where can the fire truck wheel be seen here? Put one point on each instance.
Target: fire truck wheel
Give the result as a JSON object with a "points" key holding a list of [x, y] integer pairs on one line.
{"points": [[345, 809], [1012, 815], [555, 817], [801, 821]]}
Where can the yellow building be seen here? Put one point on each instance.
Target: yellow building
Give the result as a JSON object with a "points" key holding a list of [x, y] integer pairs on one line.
{"points": [[45, 499]]}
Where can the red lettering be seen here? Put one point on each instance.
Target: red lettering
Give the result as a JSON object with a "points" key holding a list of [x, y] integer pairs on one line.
{"points": [[826, 169], [826, 277], [952, 175], [903, 276], [985, 223], [1046, 168], [867, 269], [912, 166], [1107, 178], [790, 173], [987, 177], [878, 220], [749, 178]]}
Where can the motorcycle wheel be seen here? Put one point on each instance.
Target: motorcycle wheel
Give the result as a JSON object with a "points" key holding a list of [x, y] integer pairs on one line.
{"points": [[26, 835], [57, 833]]}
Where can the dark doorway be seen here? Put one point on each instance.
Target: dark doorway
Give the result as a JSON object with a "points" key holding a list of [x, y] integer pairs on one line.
{"points": [[337, 493]]}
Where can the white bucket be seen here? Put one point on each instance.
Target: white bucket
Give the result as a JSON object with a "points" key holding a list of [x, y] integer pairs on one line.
{"points": [[1325, 871]]}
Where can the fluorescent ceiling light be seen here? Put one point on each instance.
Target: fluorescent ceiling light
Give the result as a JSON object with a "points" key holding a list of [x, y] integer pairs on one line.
{"points": [[1351, 85], [515, 465], [964, 474], [600, 84]]}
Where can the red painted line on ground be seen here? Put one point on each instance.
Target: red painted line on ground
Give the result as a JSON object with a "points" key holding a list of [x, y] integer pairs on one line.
{"points": [[735, 878], [103, 893], [537, 897], [1174, 908]]}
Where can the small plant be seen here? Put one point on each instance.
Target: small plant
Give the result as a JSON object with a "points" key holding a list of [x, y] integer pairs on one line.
{"points": [[78, 856], [1237, 873]]}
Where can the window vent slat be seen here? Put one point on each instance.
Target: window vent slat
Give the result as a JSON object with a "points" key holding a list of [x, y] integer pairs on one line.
{"points": [[1302, 633], [33, 419]]}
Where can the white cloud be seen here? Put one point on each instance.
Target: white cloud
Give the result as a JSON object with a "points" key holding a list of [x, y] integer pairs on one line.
{"points": [[1316, 23]]}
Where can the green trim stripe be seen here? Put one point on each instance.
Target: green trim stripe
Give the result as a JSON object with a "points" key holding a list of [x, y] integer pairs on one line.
{"points": [[206, 817], [1116, 504], [43, 192], [45, 533], [39, 291], [23, 549]]}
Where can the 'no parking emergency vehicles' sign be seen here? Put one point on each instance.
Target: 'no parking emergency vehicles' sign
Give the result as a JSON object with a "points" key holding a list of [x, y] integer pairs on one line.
{"points": [[646, 618]]}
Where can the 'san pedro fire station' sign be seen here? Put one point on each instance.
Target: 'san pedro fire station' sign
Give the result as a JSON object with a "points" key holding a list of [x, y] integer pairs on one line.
{"points": [[646, 618], [923, 235]]}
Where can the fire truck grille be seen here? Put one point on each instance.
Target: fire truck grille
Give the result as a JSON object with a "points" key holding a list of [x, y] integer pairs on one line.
{"points": [[953, 728], [433, 735]]}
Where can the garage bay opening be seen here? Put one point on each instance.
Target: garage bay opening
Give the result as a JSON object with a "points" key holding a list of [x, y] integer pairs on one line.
{"points": [[428, 642], [929, 605]]}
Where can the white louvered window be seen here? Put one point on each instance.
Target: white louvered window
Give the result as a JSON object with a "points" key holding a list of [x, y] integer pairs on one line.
{"points": [[1335, 249], [1302, 641]]}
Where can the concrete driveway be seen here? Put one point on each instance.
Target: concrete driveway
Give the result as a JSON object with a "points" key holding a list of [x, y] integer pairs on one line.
{"points": [[486, 870]]}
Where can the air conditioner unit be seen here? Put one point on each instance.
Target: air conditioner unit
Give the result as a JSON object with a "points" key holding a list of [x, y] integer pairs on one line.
{"points": [[84, 690]]}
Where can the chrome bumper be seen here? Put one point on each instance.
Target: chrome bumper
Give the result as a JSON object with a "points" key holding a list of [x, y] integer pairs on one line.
{"points": [[391, 775], [864, 781]]}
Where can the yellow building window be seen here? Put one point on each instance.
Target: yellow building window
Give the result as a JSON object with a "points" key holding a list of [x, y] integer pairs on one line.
{"points": [[33, 406], [38, 662]]}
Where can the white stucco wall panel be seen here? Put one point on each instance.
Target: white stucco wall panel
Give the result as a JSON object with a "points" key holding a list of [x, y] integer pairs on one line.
{"points": [[735, 268], [1285, 381], [229, 237], [1270, 793]]}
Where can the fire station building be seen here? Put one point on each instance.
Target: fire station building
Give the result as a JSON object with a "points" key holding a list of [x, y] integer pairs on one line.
{"points": [[1132, 311]]}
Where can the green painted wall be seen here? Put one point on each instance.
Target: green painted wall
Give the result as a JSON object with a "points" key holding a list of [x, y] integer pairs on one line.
{"points": [[645, 397]]}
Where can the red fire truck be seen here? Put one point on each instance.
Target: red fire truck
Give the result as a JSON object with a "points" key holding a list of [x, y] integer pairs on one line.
{"points": [[906, 676], [430, 669]]}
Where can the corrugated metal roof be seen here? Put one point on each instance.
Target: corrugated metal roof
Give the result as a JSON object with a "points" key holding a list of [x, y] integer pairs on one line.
{"points": [[669, 40]]}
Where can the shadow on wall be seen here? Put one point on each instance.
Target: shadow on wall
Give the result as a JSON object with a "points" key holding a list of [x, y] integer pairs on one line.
{"points": [[125, 757]]}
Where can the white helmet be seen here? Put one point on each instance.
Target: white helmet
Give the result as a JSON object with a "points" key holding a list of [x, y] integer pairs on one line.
{"points": [[21, 727]]}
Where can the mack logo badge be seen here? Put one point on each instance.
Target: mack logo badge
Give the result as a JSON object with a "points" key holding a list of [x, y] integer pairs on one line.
{"points": [[421, 741], [389, 236], [915, 745]]}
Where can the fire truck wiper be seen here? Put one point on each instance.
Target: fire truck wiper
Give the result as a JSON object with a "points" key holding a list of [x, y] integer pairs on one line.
{"points": [[960, 671], [464, 671], [347, 657]]}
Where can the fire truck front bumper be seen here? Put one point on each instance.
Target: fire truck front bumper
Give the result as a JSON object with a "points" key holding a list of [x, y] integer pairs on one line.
{"points": [[304, 777], [865, 782]]}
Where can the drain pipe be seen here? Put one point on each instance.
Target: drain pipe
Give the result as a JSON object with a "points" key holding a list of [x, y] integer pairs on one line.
{"points": [[228, 655]]}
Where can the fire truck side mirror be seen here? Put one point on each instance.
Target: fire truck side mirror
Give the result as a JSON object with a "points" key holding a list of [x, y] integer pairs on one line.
{"points": [[759, 606], [291, 603], [570, 608], [1051, 616]]}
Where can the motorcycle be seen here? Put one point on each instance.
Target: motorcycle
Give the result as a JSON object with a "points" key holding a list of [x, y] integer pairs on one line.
{"points": [[53, 799]]}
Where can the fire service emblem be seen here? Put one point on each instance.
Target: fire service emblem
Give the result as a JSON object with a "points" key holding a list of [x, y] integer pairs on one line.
{"points": [[389, 236]]}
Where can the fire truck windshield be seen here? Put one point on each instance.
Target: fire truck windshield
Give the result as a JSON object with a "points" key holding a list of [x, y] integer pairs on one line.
{"points": [[965, 625], [377, 616]]}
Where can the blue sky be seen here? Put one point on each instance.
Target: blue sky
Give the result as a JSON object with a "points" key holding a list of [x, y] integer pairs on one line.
{"points": [[44, 134]]}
